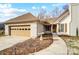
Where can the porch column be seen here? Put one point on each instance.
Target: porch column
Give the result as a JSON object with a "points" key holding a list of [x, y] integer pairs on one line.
{"points": [[57, 28]]}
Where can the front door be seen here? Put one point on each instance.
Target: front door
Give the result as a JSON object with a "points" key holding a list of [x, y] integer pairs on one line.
{"points": [[54, 28]]}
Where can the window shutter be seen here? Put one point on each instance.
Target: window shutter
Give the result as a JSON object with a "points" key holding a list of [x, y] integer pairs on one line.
{"points": [[65, 27]]}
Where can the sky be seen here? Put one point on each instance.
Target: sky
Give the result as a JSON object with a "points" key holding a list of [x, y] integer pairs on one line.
{"points": [[8, 11]]}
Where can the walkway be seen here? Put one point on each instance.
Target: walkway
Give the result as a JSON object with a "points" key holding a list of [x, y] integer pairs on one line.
{"points": [[8, 41], [58, 47]]}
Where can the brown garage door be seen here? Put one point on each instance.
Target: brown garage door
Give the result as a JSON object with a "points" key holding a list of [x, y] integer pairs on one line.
{"points": [[20, 31]]}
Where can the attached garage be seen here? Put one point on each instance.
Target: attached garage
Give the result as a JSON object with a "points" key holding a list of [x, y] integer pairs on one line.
{"points": [[24, 25], [20, 30]]}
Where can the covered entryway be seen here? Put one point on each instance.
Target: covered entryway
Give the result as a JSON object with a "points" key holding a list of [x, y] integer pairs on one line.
{"points": [[20, 31], [47, 27], [54, 28]]}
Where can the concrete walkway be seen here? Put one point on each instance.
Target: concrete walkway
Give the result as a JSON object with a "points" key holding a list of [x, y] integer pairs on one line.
{"points": [[8, 41], [58, 47]]}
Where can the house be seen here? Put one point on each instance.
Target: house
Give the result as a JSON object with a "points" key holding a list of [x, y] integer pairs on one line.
{"points": [[30, 26], [61, 25], [68, 22], [24, 25]]}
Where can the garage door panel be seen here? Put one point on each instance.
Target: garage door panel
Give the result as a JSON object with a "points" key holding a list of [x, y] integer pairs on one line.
{"points": [[20, 31]]}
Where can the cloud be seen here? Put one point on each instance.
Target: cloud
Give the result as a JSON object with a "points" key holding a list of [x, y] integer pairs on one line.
{"points": [[5, 5], [58, 4], [7, 11], [43, 7], [34, 8]]}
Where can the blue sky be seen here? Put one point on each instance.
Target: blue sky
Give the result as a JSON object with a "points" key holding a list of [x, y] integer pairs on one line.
{"points": [[8, 11]]}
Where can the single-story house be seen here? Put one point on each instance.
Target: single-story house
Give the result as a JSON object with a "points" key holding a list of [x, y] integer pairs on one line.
{"points": [[28, 25], [24, 25]]}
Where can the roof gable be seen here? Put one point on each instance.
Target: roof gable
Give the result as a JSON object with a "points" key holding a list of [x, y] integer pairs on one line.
{"points": [[62, 16], [22, 18]]}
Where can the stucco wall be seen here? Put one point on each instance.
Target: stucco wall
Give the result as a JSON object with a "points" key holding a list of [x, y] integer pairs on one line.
{"points": [[40, 28], [34, 29], [75, 19]]}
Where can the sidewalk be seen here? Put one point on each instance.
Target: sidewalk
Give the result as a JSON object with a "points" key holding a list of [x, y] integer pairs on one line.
{"points": [[58, 47]]}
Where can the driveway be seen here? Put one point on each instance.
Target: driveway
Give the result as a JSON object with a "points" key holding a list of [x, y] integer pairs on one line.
{"points": [[8, 41]]}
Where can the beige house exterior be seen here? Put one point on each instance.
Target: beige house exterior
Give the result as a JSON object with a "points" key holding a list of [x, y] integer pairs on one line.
{"points": [[24, 25], [30, 26]]}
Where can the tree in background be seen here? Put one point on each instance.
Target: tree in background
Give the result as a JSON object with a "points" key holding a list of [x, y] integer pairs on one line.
{"points": [[56, 12], [42, 13], [65, 7]]}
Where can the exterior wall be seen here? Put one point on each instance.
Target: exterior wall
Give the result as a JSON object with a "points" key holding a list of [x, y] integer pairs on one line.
{"points": [[75, 19], [40, 28], [65, 21], [34, 29], [6, 30]]}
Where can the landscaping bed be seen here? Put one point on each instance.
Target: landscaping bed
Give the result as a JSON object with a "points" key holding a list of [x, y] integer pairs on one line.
{"points": [[72, 44], [27, 47]]}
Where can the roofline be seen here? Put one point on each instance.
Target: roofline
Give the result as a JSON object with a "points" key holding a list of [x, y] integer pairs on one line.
{"points": [[66, 13], [21, 22]]}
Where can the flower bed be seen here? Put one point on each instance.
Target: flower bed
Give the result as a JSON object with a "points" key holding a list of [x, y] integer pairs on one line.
{"points": [[27, 47]]}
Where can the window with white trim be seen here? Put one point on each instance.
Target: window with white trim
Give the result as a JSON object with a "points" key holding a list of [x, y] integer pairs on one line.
{"points": [[61, 28]]}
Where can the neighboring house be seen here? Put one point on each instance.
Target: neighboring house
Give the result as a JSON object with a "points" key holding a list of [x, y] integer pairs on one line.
{"points": [[28, 25]]}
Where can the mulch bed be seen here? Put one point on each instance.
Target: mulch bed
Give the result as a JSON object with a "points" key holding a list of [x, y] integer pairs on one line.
{"points": [[27, 47]]}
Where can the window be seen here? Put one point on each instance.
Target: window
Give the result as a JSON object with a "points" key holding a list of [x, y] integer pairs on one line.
{"points": [[15, 29], [22, 28], [25, 28], [61, 28], [19, 28], [28, 28]]}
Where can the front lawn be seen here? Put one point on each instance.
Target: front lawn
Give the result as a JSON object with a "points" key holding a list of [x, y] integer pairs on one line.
{"points": [[72, 44]]}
